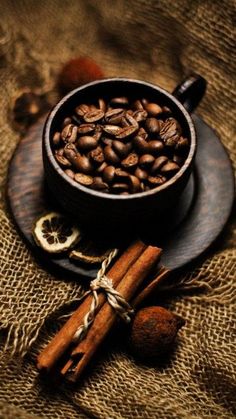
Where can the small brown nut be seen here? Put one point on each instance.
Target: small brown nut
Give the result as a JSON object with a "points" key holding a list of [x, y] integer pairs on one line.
{"points": [[154, 330], [155, 146]]}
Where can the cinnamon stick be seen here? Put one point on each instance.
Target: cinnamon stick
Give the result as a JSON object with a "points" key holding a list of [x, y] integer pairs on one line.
{"points": [[162, 274], [106, 317], [61, 341]]}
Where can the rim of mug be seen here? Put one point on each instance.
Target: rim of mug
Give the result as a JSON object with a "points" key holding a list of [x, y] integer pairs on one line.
{"points": [[53, 114]]}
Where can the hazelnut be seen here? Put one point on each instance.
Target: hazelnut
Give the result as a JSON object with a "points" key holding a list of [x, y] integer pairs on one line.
{"points": [[154, 330], [78, 71]]}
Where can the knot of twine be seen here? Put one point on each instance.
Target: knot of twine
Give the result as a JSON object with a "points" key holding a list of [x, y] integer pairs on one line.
{"points": [[114, 298]]}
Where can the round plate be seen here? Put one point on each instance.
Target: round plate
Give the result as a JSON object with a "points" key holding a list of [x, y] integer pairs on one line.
{"points": [[184, 233]]}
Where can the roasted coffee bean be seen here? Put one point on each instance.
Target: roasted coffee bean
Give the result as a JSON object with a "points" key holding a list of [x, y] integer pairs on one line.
{"points": [[178, 159], [83, 179], [121, 149], [63, 161], [156, 180], [86, 143], [158, 163], [152, 125], [97, 155], [134, 184], [155, 146], [181, 144], [94, 116], [110, 155], [108, 174], [153, 109], [56, 139], [114, 116], [69, 133], [82, 109], [146, 160], [127, 132], [70, 154], [124, 123], [107, 141], [111, 129], [141, 174], [142, 133], [130, 161], [66, 121], [121, 174], [100, 169], [86, 129], [124, 193], [169, 132], [119, 187], [137, 105], [119, 101], [131, 120], [60, 151], [140, 144], [83, 164], [70, 173], [98, 133], [169, 168], [99, 185], [102, 104], [140, 115]]}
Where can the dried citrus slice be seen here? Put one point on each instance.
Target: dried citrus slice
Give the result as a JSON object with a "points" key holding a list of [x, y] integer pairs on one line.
{"points": [[88, 251], [54, 233]]}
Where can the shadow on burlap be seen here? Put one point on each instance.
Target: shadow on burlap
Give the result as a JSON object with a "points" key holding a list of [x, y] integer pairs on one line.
{"points": [[159, 41]]}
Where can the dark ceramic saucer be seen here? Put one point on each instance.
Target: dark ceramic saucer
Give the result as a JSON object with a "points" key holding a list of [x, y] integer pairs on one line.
{"points": [[184, 233]]}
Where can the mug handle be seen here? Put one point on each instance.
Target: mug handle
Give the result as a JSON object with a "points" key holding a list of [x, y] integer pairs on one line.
{"points": [[191, 91]]}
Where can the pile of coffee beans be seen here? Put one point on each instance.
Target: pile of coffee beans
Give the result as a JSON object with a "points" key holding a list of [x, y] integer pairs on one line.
{"points": [[120, 146]]}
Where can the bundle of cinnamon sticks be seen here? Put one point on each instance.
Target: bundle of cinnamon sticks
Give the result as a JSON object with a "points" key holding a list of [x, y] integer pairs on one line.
{"points": [[127, 274]]}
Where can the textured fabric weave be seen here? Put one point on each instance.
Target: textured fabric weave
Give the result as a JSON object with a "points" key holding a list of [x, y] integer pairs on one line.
{"points": [[158, 41]]}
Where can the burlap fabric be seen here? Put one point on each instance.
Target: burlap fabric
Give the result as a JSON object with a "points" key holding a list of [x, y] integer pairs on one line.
{"points": [[159, 41]]}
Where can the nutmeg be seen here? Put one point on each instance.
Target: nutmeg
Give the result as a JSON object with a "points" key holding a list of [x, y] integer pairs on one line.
{"points": [[78, 71], [154, 330]]}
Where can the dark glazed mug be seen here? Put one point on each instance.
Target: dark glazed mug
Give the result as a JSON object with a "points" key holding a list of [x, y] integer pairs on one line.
{"points": [[94, 208]]}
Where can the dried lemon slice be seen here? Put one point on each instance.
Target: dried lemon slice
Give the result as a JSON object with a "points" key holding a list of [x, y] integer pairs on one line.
{"points": [[54, 233], [88, 251]]}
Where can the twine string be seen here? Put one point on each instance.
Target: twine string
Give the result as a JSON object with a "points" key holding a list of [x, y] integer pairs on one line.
{"points": [[114, 298]]}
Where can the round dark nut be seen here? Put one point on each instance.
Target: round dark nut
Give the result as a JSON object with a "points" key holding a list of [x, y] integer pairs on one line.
{"points": [[169, 168], [153, 333], [158, 163], [140, 173], [155, 146], [121, 149]]}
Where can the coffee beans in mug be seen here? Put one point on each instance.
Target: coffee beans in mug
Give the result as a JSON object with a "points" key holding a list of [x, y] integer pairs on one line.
{"points": [[121, 145]]}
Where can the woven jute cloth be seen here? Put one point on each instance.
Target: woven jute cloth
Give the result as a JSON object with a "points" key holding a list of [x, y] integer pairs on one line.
{"points": [[158, 41]]}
